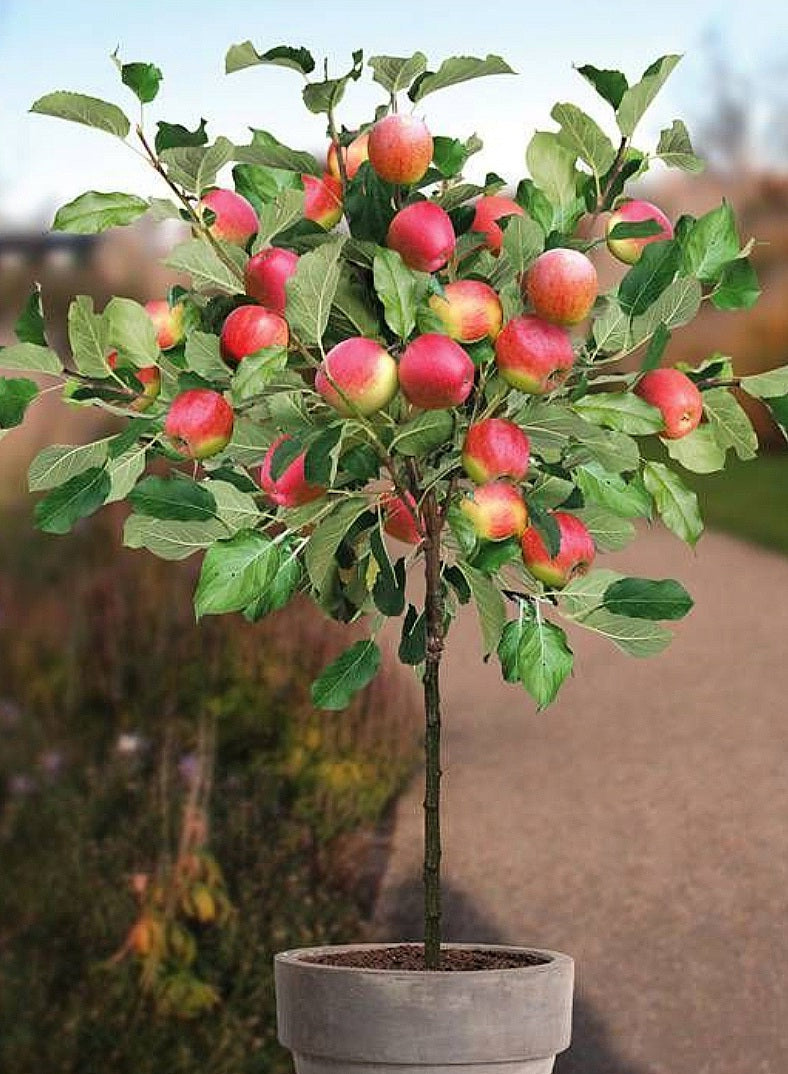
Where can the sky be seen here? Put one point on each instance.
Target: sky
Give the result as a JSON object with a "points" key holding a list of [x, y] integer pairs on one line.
{"points": [[46, 46]]}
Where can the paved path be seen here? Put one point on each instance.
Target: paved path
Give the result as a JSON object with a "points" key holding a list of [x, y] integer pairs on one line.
{"points": [[641, 824]]}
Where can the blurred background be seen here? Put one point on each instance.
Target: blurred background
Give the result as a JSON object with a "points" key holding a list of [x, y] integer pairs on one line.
{"points": [[137, 749]]}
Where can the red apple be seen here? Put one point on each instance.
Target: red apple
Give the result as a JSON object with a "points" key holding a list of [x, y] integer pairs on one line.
{"points": [[533, 355], [236, 221], [633, 212], [469, 309], [168, 321], [495, 448], [249, 329], [400, 148], [423, 236], [674, 394], [496, 510], [489, 211], [400, 518], [562, 286], [199, 423], [322, 199], [150, 379], [353, 155], [291, 488], [575, 554], [365, 373], [435, 372], [267, 273]]}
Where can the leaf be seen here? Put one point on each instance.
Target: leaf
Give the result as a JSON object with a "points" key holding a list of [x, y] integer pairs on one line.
{"points": [[94, 212], [426, 432], [246, 55], [523, 241], [552, 168], [143, 79], [324, 96], [636, 99], [413, 640], [311, 290], [676, 306], [351, 312], [285, 453], [195, 167], [78, 108], [585, 593], [238, 510], [268, 152], [277, 216], [611, 329], [609, 531], [131, 331], [546, 526], [544, 660], [507, 650], [458, 69], [677, 505], [256, 372], [326, 538], [489, 605], [636, 637], [698, 451], [16, 395], [635, 229], [176, 498], [368, 206], [730, 423], [644, 598], [711, 244], [235, 572], [171, 540], [79, 497], [169, 135], [584, 137], [30, 357], [656, 349], [621, 410], [611, 85], [56, 464], [352, 671], [388, 590], [550, 491], [645, 282], [205, 266], [88, 338], [399, 289], [395, 73], [738, 288], [761, 385], [604, 489], [203, 356], [124, 472], [282, 587], [29, 327], [675, 148]]}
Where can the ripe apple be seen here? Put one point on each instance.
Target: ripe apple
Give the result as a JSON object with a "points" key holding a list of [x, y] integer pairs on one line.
{"points": [[322, 199], [291, 488], [496, 510], [562, 286], [353, 155], [365, 373], [633, 212], [469, 309], [575, 554], [674, 394], [267, 273], [199, 423], [489, 210], [400, 148], [236, 221], [249, 329], [399, 521], [534, 355], [168, 321], [495, 448], [423, 236], [150, 379], [435, 372]]}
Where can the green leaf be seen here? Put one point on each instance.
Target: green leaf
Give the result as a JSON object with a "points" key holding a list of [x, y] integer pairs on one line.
{"points": [[426, 432], [552, 168], [620, 410], [550, 491], [16, 395], [176, 498], [282, 588], [738, 288], [675, 148], [246, 55], [237, 509], [131, 331], [195, 167], [544, 660], [311, 290], [58, 463], [79, 108], [322, 457], [256, 372], [611, 329], [206, 268], [395, 73], [235, 572], [711, 244], [400, 290], [730, 423], [203, 356], [508, 648], [636, 637], [604, 489], [143, 79], [326, 538], [462, 529], [761, 385], [88, 337], [546, 526], [351, 312], [644, 598], [635, 229], [29, 327], [656, 349], [95, 212], [268, 152], [458, 195], [637, 98], [277, 216], [324, 96], [676, 306], [169, 135], [490, 556], [584, 138], [458, 69], [285, 453], [489, 605], [609, 531], [388, 590], [448, 156], [335, 688], [523, 241], [171, 540], [79, 497], [30, 357], [368, 206], [699, 451], [413, 639], [677, 505], [647, 280], [611, 85], [585, 593], [124, 471]]}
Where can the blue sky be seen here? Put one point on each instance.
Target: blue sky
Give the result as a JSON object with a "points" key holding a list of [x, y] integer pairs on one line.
{"points": [[53, 45]]}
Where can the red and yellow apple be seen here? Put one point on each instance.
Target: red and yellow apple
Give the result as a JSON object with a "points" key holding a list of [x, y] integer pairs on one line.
{"points": [[575, 553], [423, 236], [322, 199], [400, 148], [267, 273], [199, 423], [363, 371], [236, 221], [562, 286], [169, 322], [496, 510], [435, 372], [533, 355], [494, 448], [489, 210], [290, 488], [249, 329], [470, 310], [679, 400], [353, 155], [400, 518], [634, 212]]}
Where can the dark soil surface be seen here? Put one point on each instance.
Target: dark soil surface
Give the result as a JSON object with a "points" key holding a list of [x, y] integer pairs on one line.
{"points": [[411, 957]]}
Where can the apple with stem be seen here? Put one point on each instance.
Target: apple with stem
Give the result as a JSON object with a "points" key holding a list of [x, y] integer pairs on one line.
{"points": [[235, 219], [575, 554], [400, 518], [496, 510], [352, 155], [357, 375], [676, 397], [533, 355], [400, 149], [469, 309], [199, 423], [322, 199], [494, 448], [290, 488], [489, 210], [423, 236], [435, 372], [634, 212], [249, 329], [169, 322], [266, 274], [562, 286]]}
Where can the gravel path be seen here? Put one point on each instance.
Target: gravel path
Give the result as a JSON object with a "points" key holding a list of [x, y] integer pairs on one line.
{"points": [[641, 824]]}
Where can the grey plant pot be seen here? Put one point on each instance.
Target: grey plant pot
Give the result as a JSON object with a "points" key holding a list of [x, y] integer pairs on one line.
{"points": [[342, 1020]]}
